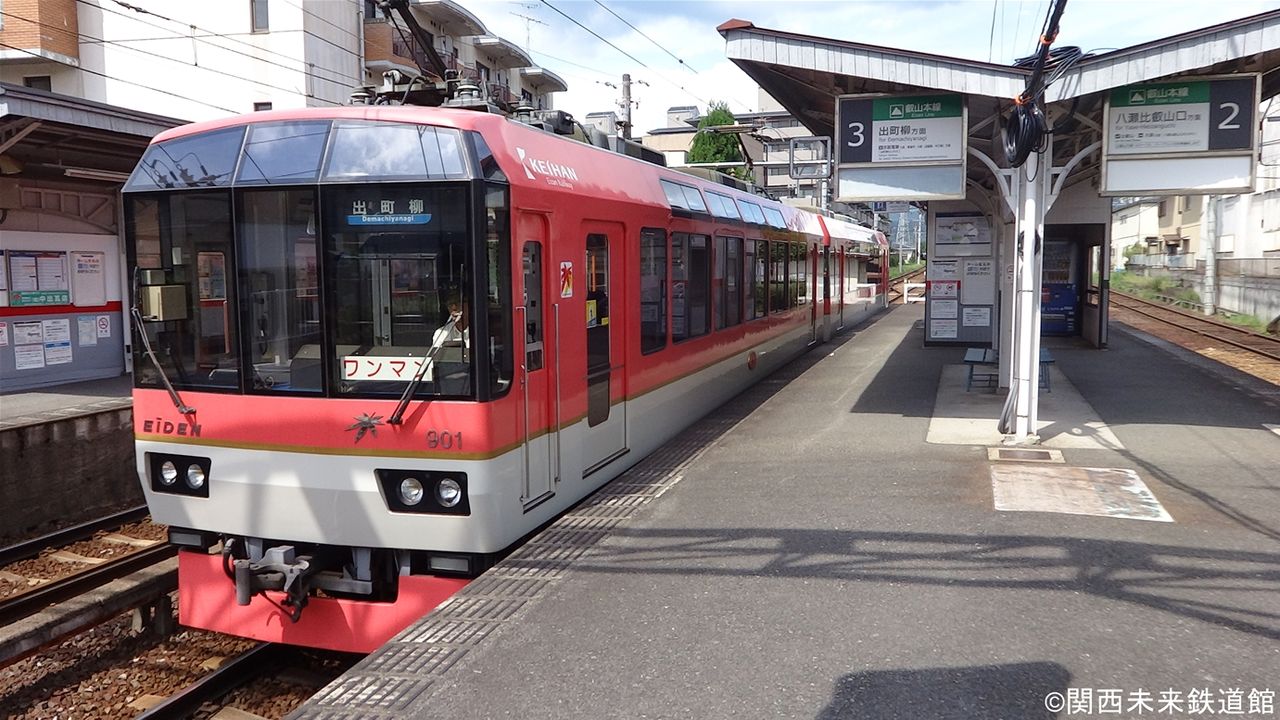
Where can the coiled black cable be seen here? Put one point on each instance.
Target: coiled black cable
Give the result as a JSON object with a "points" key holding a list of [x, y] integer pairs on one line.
{"points": [[1023, 133]]}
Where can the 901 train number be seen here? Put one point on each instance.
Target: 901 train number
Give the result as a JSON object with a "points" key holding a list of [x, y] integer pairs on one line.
{"points": [[444, 440]]}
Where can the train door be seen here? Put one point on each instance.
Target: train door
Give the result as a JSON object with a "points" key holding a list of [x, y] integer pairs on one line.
{"points": [[840, 270], [604, 280], [540, 397]]}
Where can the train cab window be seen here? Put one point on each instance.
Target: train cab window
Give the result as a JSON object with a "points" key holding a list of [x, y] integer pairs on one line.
{"points": [[757, 262], [498, 299], [799, 281], [186, 289], [279, 290], [653, 290], [531, 261], [690, 286], [283, 152], [203, 160], [778, 276], [727, 282], [396, 259]]}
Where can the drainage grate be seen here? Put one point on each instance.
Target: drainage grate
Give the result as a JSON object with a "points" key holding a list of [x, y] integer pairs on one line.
{"points": [[1025, 454]]}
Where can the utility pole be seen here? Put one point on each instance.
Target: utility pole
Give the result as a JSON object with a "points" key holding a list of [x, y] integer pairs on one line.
{"points": [[626, 106], [1211, 254]]}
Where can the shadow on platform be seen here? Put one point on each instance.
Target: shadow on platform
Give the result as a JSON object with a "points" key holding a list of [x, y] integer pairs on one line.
{"points": [[985, 692]]}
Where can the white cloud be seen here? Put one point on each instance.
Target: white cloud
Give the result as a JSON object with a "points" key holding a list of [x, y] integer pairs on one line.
{"points": [[687, 29]]}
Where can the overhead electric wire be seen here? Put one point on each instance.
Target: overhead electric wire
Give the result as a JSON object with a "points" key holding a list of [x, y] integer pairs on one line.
{"points": [[145, 11], [594, 33], [127, 82], [346, 77], [659, 45], [1025, 130], [93, 39], [991, 41]]}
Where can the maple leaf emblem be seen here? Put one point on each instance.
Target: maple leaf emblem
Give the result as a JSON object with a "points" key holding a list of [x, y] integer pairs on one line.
{"points": [[366, 423]]}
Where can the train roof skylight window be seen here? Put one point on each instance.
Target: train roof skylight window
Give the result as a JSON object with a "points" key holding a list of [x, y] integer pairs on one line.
{"points": [[364, 150], [675, 196], [775, 217], [722, 206]]}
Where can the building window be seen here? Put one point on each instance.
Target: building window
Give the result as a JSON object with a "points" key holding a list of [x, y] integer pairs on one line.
{"points": [[38, 82], [1162, 208], [260, 106], [258, 11], [373, 11]]}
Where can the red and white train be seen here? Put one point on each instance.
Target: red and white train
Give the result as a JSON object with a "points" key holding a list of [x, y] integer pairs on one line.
{"points": [[293, 272]]}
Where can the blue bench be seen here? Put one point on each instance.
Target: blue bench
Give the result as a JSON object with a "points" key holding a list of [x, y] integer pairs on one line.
{"points": [[984, 366]]}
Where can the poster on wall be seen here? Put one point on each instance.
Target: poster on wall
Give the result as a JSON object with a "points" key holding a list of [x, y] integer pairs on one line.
{"points": [[946, 309], [961, 235], [942, 329], [212, 269], [30, 331], [943, 270], [87, 330], [104, 326], [977, 317], [89, 279], [57, 353], [57, 331], [4, 281], [978, 286], [38, 278], [28, 357], [4, 334], [944, 289]]}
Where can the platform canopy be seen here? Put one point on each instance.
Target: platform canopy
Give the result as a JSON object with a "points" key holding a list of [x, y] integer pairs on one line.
{"points": [[806, 74]]}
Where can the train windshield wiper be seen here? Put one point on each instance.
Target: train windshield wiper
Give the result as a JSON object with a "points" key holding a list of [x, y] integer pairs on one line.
{"points": [[436, 344], [183, 408]]}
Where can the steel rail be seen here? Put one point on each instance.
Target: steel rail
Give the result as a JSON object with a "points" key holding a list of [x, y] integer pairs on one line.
{"points": [[34, 546], [231, 675], [1138, 304], [28, 603]]}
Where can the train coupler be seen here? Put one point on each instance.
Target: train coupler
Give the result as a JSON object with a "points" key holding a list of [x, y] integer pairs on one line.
{"points": [[282, 569]]}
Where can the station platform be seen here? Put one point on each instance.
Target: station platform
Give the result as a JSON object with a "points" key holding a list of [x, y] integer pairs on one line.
{"points": [[840, 542], [28, 407]]}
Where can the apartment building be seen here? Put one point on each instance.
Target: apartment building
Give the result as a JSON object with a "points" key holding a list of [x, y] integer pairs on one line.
{"points": [[85, 84]]}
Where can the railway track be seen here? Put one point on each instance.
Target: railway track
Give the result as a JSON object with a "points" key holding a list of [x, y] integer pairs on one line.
{"points": [[257, 661], [896, 284], [37, 578], [1241, 338]]}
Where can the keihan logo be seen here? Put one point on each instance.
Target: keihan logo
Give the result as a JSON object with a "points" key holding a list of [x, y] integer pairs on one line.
{"points": [[544, 167]]}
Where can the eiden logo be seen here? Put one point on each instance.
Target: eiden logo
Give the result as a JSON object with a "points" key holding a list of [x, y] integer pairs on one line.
{"points": [[167, 427], [544, 167]]}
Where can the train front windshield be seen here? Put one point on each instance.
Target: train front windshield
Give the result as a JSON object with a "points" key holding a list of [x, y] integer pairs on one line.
{"points": [[321, 258]]}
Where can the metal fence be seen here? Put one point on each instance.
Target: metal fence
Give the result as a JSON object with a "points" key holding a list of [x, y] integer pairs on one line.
{"points": [[1178, 261]]}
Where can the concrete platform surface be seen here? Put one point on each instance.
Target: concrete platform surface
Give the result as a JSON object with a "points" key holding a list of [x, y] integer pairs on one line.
{"points": [[804, 552], [62, 401]]}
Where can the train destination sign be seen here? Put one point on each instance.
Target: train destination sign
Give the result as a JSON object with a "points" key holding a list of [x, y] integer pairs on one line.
{"points": [[900, 147], [1193, 135]]}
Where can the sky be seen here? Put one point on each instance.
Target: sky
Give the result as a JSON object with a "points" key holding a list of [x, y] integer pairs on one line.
{"points": [[683, 62]]}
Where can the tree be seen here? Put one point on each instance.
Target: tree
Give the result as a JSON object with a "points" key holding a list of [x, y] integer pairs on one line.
{"points": [[711, 147]]}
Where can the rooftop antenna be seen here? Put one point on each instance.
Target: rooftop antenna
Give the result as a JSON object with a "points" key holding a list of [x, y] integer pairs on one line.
{"points": [[528, 21]]}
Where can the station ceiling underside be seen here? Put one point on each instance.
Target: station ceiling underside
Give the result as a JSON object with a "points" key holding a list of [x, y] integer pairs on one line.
{"points": [[807, 73]]}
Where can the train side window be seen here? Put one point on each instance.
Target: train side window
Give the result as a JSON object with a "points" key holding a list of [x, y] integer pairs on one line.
{"points": [[756, 266], [778, 276], [799, 274], [653, 290], [690, 285], [728, 282], [533, 318]]}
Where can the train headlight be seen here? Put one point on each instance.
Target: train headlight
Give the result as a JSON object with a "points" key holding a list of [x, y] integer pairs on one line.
{"points": [[195, 477], [410, 491], [164, 470], [168, 472], [448, 492]]}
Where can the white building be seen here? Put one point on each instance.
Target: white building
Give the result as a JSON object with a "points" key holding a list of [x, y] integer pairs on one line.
{"points": [[204, 60]]}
